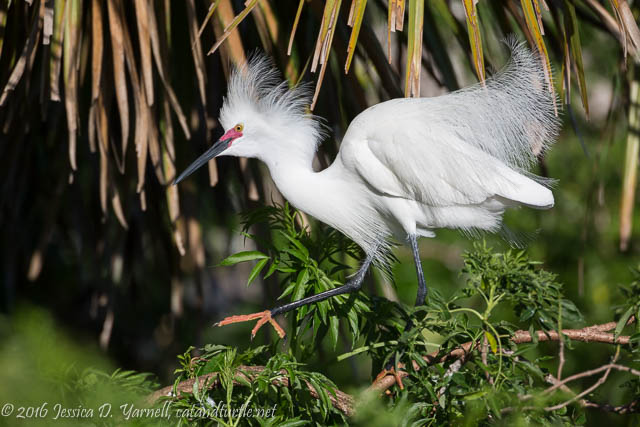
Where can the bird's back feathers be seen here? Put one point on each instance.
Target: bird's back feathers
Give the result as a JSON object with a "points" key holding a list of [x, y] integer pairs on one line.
{"points": [[513, 118], [462, 148]]}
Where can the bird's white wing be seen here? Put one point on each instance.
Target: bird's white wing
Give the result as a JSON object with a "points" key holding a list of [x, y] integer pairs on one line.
{"points": [[434, 167], [460, 148]]}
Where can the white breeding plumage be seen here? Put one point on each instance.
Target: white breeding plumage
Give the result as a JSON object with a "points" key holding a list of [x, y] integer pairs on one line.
{"points": [[406, 166]]}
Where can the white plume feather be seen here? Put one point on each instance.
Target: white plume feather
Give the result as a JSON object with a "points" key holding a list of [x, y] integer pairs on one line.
{"points": [[513, 118], [257, 88]]}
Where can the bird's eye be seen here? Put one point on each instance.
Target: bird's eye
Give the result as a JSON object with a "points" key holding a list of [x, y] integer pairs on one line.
{"points": [[238, 128]]}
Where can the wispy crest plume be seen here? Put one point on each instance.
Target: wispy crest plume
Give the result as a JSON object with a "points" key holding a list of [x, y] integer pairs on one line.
{"points": [[258, 84]]}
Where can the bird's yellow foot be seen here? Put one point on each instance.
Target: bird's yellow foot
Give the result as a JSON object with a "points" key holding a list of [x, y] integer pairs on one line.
{"points": [[263, 317], [396, 374]]}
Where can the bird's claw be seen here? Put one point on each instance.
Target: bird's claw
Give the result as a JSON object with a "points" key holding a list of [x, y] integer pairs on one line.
{"points": [[392, 371], [263, 317]]}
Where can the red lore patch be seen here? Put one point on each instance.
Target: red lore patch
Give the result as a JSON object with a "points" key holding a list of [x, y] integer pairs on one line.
{"points": [[231, 135]]}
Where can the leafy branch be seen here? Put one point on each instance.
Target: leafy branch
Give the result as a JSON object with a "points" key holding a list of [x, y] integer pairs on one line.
{"points": [[589, 334], [467, 352], [244, 375]]}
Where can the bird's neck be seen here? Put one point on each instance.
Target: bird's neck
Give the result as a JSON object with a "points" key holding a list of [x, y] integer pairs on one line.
{"points": [[329, 196], [294, 169], [297, 181], [293, 157]]}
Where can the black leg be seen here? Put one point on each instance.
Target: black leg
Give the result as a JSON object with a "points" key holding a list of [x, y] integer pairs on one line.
{"points": [[390, 367], [352, 285], [422, 285]]}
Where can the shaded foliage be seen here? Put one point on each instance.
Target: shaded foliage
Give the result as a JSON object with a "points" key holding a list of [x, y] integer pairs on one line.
{"points": [[496, 378]]}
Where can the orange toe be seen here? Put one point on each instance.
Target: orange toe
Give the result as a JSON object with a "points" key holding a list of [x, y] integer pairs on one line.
{"points": [[262, 317], [392, 371], [381, 375], [398, 378]]}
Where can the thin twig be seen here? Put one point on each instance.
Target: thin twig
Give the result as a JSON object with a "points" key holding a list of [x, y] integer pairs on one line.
{"points": [[592, 372], [597, 384], [453, 368], [561, 342], [553, 381], [560, 357], [629, 408], [484, 349]]}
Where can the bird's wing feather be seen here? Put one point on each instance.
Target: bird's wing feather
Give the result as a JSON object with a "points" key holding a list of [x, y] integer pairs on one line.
{"points": [[463, 147], [437, 170]]}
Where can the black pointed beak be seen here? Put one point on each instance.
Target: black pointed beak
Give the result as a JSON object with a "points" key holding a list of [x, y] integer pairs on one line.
{"points": [[212, 152]]}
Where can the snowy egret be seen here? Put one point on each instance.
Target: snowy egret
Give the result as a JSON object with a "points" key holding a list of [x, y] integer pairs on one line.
{"points": [[405, 168]]}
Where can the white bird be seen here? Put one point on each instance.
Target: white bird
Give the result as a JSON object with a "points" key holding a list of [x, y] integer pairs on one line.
{"points": [[405, 168]]}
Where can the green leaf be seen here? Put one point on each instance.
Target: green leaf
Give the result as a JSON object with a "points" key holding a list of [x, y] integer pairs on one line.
{"points": [[301, 281], [352, 316], [299, 294], [297, 244], [323, 307], [571, 26], [303, 277], [250, 4], [475, 395], [242, 379], [533, 25], [475, 40], [623, 321], [527, 314], [534, 335], [414, 49], [334, 324], [242, 257], [272, 268], [294, 423], [532, 368], [256, 270], [195, 389], [492, 342], [322, 393], [288, 290], [355, 22], [296, 253]]}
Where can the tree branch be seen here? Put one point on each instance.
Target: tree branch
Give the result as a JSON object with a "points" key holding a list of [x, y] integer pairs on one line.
{"points": [[345, 402], [629, 408], [585, 392], [561, 358], [584, 335], [594, 333], [632, 407], [591, 372], [341, 401]]}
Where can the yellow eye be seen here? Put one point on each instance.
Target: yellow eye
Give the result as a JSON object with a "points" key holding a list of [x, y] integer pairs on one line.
{"points": [[238, 128]]}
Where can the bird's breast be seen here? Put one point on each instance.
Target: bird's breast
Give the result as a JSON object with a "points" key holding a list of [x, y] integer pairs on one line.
{"points": [[336, 200]]}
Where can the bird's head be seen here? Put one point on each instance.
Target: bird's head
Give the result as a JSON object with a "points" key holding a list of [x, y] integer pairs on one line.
{"points": [[263, 118]]}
